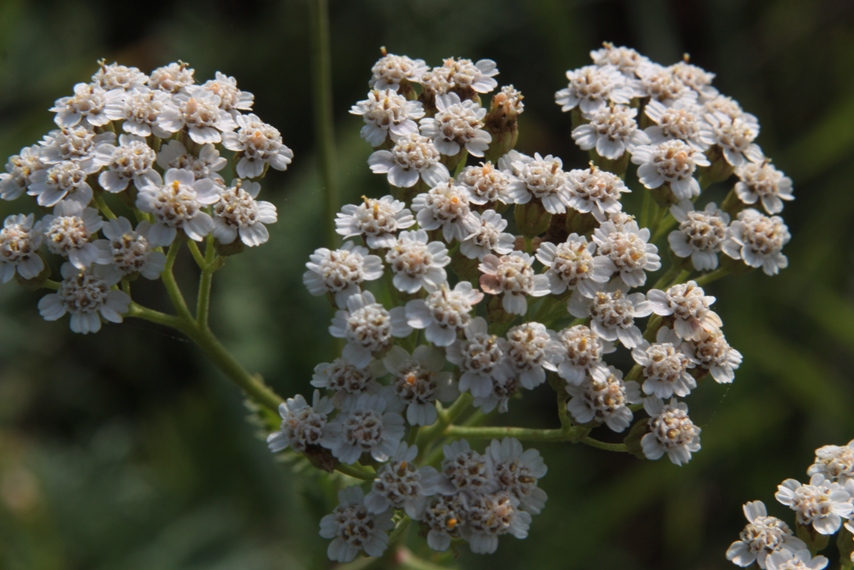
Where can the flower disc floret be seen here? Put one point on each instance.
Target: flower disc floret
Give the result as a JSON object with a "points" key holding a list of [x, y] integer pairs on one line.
{"points": [[517, 471], [735, 136], [197, 110], [113, 76], [681, 120], [490, 516], [207, 164], [231, 98], [75, 144], [465, 470], [347, 382], [661, 84], [20, 240], [627, 60], [713, 353]]}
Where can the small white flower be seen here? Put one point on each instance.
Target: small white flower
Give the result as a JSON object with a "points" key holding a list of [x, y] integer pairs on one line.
{"points": [[418, 382], [612, 131], [131, 161], [176, 203], [689, 306], [238, 212], [19, 171], [142, 110], [665, 365], [114, 76], [207, 164], [799, 560], [713, 353], [75, 144], [821, 503], [231, 98], [758, 241], [387, 115], [503, 388], [257, 144], [582, 351], [485, 184], [627, 249], [446, 206], [540, 178], [835, 463], [573, 265], [455, 125], [391, 70], [517, 471], [592, 87], [353, 529], [612, 314], [728, 106], [671, 431], [172, 78], [413, 157], [512, 276], [445, 516], [417, 263], [444, 312], [368, 327], [90, 105], [467, 471], [762, 536], [490, 516], [303, 426], [531, 350], [681, 120], [603, 397], [365, 427], [65, 180], [348, 382], [671, 162], [376, 220], [735, 136], [662, 84], [197, 110], [86, 295], [627, 60], [695, 78], [130, 250], [341, 271], [760, 181], [700, 235], [400, 484], [462, 77], [595, 191], [489, 238], [20, 240], [68, 231], [481, 358]]}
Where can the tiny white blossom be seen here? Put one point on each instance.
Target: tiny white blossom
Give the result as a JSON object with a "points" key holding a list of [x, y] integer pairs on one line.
{"points": [[68, 232], [627, 249], [207, 164], [503, 388], [689, 306], [130, 250], [834, 462], [758, 240], [257, 144], [466, 471], [603, 397], [612, 131], [417, 263], [797, 560], [461, 76], [671, 431], [114, 76], [142, 110], [573, 265], [376, 220], [713, 353], [238, 212], [443, 312], [681, 120], [671, 162], [517, 471], [197, 110], [445, 516], [662, 84], [489, 237], [75, 144], [341, 271], [20, 240], [595, 191], [455, 125], [391, 70], [627, 60], [541, 178], [612, 314], [365, 427], [762, 536], [820, 503], [176, 202], [353, 529], [531, 350], [695, 78], [131, 161], [88, 297], [700, 234], [735, 136], [63, 181], [387, 115], [446, 206], [490, 516], [665, 365], [172, 78], [581, 351], [303, 426], [512, 276], [481, 359], [762, 182], [485, 184], [418, 382], [592, 87], [347, 382], [231, 98], [19, 171], [368, 327], [413, 157], [400, 484], [90, 105]]}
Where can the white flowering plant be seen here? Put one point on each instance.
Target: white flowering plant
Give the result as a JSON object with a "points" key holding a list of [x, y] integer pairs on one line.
{"points": [[474, 274]]}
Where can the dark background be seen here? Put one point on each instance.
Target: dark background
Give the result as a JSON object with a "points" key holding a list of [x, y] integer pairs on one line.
{"points": [[127, 450]]}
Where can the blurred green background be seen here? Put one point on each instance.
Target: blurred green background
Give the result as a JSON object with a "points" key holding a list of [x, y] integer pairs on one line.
{"points": [[127, 450]]}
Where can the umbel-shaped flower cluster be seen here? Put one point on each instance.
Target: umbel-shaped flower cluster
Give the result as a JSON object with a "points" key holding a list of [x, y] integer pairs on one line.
{"points": [[136, 166], [473, 280], [823, 507]]}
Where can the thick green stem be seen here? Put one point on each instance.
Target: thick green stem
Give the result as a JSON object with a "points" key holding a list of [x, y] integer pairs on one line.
{"points": [[355, 472], [713, 276], [322, 95], [523, 434]]}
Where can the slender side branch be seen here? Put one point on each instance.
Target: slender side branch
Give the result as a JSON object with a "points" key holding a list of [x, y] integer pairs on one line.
{"points": [[355, 472], [171, 285]]}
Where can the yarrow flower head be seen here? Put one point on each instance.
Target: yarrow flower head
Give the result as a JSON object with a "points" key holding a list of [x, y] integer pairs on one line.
{"points": [[354, 529], [485, 184], [512, 276], [834, 462], [401, 484], [391, 70], [671, 431], [131, 251], [419, 382], [413, 157], [489, 238], [446, 207], [595, 191], [341, 271], [612, 131], [758, 240], [582, 351], [387, 115], [573, 265], [239, 213], [689, 306], [700, 235], [457, 124], [671, 162], [760, 181], [762, 536], [612, 314], [821, 503], [444, 312], [592, 87], [369, 328], [86, 295], [303, 426], [539, 178], [603, 397], [365, 427], [376, 220], [627, 249], [176, 202], [481, 359], [665, 365], [258, 145], [90, 105], [347, 382], [20, 240], [417, 263]]}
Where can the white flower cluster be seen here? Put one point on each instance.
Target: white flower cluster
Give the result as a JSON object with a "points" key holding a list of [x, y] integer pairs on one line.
{"points": [[154, 141], [481, 305], [821, 507]]}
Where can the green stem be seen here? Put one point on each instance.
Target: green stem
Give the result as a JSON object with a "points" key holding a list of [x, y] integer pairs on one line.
{"points": [[355, 472], [104, 208], [713, 276], [664, 279], [171, 285], [618, 447], [197, 254], [523, 434], [126, 287], [322, 95], [204, 301], [51, 284]]}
